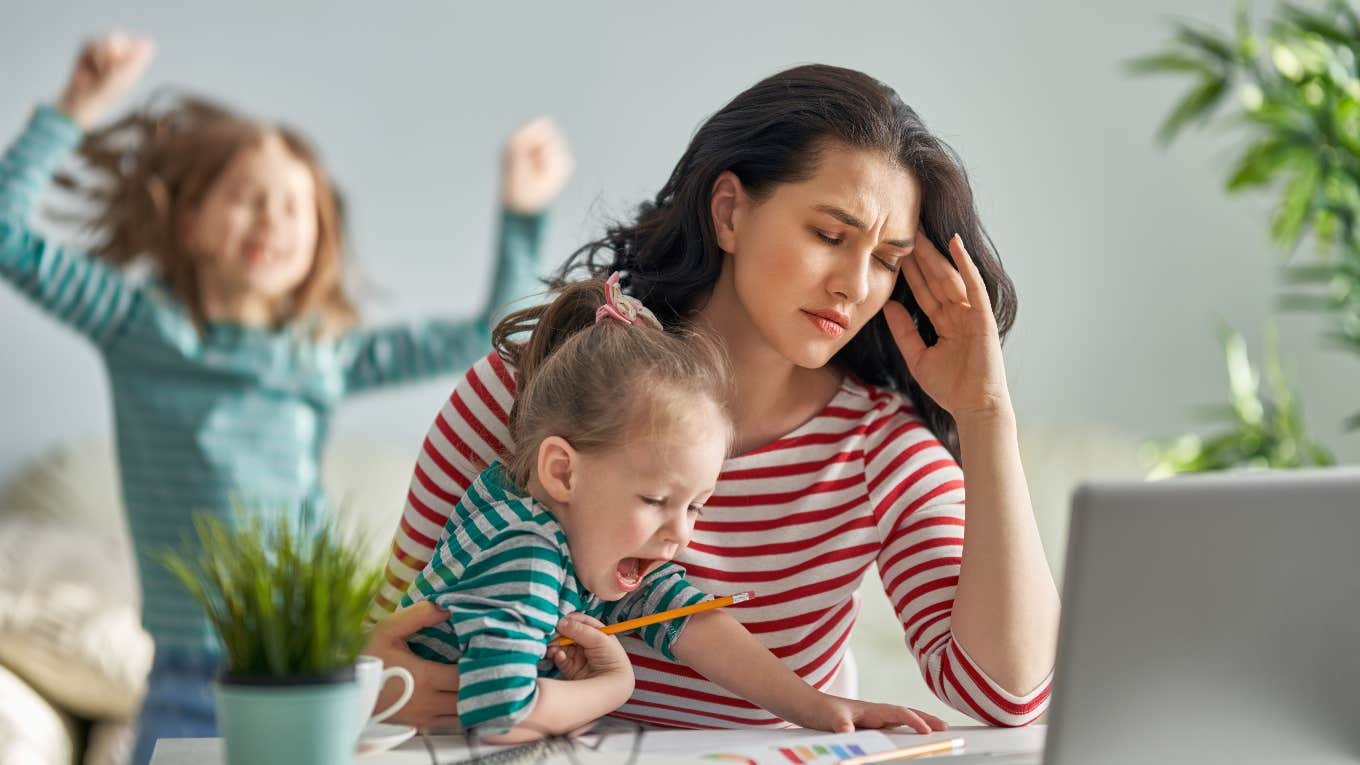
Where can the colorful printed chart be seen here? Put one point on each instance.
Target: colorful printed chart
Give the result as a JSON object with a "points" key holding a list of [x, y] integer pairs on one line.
{"points": [[828, 749], [798, 755]]}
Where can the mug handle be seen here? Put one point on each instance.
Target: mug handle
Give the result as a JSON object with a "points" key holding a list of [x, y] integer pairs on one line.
{"points": [[407, 680]]}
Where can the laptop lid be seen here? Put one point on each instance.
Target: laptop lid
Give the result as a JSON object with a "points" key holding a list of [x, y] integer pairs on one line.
{"points": [[1211, 619]]}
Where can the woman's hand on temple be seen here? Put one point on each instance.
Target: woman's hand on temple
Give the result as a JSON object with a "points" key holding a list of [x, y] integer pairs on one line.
{"points": [[963, 371], [106, 69], [434, 702]]}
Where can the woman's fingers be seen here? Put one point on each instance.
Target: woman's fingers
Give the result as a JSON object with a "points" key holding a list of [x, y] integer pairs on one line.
{"points": [[944, 281], [972, 278], [437, 675], [920, 289], [428, 709], [405, 622], [442, 723], [904, 331]]}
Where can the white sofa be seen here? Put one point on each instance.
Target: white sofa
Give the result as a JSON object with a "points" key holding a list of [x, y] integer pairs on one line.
{"points": [[73, 658]]}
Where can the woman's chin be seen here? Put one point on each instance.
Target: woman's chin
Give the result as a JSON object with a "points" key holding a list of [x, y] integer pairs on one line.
{"points": [[811, 355]]}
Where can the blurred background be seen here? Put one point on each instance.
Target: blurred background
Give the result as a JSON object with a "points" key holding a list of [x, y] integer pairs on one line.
{"points": [[1127, 255]]}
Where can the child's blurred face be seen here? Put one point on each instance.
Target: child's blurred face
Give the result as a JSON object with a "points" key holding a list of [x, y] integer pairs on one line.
{"points": [[633, 507], [255, 232]]}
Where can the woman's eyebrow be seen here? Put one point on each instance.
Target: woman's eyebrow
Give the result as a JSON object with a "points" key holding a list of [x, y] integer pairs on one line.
{"points": [[845, 217]]}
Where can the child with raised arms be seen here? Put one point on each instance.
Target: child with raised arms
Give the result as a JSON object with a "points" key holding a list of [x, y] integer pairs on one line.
{"points": [[227, 363]]}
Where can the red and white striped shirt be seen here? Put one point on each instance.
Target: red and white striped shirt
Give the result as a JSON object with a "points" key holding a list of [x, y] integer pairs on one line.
{"points": [[798, 520]]}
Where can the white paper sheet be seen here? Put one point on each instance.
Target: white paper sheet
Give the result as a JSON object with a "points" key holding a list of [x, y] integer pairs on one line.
{"points": [[745, 747]]}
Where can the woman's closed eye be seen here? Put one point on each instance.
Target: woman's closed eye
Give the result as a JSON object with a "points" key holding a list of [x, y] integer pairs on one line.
{"points": [[888, 262], [830, 239], [653, 501]]}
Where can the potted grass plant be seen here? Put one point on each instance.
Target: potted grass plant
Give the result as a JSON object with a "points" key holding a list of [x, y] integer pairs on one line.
{"points": [[287, 599]]}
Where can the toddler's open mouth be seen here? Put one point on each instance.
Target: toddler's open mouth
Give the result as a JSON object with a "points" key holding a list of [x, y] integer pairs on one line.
{"points": [[631, 571]]}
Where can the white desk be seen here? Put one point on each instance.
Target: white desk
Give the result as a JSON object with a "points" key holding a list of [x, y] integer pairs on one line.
{"points": [[981, 740]]}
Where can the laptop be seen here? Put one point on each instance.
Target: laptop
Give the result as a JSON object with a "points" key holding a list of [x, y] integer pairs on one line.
{"points": [[1209, 619]]}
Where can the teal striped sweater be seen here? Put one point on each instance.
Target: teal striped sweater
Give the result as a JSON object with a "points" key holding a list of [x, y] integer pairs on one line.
{"points": [[503, 571], [229, 415]]}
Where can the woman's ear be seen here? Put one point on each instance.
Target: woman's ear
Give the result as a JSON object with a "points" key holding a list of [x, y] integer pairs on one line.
{"points": [[556, 468], [725, 206]]}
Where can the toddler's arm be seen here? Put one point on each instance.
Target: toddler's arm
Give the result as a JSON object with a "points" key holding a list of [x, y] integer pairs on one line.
{"points": [[722, 650]]}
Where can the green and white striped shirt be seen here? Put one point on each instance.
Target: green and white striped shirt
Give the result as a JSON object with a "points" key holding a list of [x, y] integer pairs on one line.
{"points": [[229, 414], [503, 570]]}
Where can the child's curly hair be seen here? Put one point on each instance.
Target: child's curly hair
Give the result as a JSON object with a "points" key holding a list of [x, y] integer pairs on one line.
{"points": [[144, 173]]}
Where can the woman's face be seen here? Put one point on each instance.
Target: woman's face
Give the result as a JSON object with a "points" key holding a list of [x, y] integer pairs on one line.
{"points": [[813, 262]]}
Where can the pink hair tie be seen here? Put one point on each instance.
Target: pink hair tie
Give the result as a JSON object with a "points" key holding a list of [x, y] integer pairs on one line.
{"points": [[624, 308]]}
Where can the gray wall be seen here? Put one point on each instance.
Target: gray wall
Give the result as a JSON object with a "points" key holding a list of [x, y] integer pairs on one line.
{"points": [[1125, 255]]}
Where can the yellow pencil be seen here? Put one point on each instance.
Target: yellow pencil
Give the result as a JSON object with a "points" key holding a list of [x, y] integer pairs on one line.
{"points": [[674, 613], [920, 750]]}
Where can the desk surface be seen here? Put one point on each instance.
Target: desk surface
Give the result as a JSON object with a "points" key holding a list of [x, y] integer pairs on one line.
{"points": [[981, 740]]}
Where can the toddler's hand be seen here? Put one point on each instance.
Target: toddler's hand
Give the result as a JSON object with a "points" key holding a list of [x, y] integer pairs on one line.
{"points": [[106, 68], [536, 166], [594, 654], [839, 715]]}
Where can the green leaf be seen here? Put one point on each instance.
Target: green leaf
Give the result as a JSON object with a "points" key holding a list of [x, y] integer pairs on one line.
{"points": [[1313, 273], [1351, 423], [1294, 208], [1297, 301], [1259, 163], [1173, 62], [1197, 104], [1212, 45], [1242, 379], [1314, 23]]}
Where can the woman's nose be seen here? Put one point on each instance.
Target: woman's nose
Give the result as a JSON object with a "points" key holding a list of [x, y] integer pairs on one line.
{"points": [[850, 281]]}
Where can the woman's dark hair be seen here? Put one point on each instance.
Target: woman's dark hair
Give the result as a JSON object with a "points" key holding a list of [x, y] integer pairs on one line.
{"points": [[770, 134]]}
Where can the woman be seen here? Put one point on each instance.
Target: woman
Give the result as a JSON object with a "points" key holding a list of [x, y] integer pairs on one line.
{"points": [[805, 228]]}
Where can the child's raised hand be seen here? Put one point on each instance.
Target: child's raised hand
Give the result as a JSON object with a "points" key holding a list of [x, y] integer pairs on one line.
{"points": [[536, 166], [594, 654], [839, 715], [105, 70]]}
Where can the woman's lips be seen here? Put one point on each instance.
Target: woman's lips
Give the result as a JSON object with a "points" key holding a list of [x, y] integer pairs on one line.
{"points": [[831, 324]]}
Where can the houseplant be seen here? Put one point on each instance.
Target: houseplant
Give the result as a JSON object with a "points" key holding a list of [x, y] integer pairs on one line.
{"points": [[1263, 431], [287, 599], [1297, 102]]}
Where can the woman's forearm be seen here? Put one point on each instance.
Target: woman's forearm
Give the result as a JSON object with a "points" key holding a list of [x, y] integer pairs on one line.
{"points": [[1006, 605]]}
